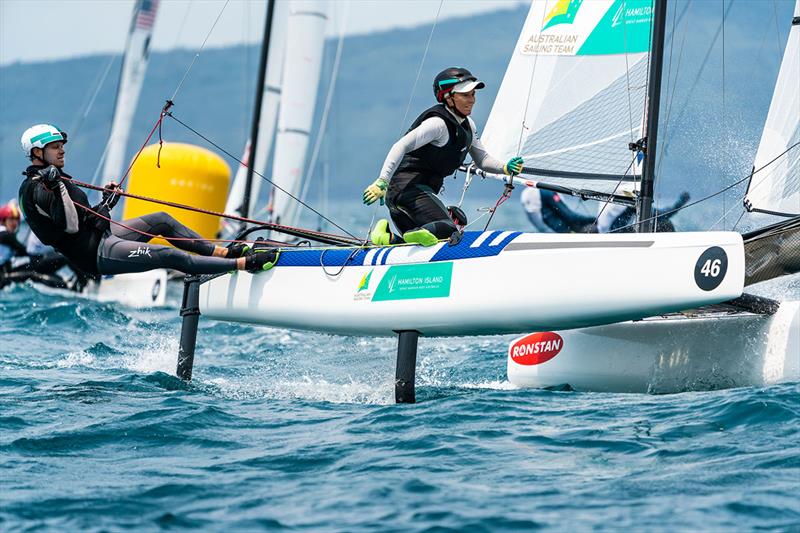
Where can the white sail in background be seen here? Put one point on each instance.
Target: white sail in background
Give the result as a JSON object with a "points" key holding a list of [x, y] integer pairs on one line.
{"points": [[134, 66], [776, 188], [269, 114], [304, 47], [573, 96]]}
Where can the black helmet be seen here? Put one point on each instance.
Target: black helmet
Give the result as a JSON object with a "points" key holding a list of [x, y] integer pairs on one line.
{"points": [[444, 82]]}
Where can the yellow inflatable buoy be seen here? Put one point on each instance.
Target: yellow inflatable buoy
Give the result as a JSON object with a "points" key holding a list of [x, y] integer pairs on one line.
{"points": [[189, 175]]}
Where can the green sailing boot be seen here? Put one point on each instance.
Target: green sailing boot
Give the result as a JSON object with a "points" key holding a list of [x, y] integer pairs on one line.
{"points": [[422, 237], [380, 235]]}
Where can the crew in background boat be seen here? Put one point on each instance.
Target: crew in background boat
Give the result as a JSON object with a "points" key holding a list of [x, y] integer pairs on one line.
{"points": [[58, 212], [9, 245], [550, 214], [434, 147], [619, 218]]}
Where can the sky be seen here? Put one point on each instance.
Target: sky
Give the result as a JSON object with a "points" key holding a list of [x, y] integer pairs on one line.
{"points": [[70, 28]]}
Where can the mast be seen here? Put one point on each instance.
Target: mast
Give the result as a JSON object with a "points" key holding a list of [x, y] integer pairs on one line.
{"points": [[646, 223], [131, 78], [262, 72]]}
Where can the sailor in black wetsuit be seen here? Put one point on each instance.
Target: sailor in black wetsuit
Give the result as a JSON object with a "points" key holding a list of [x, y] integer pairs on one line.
{"points": [[58, 212], [434, 147], [548, 212]]}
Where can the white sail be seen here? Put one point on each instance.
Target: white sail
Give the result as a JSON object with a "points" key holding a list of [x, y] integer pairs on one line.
{"points": [[776, 188], [269, 114], [134, 66], [304, 46], [573, 97]]}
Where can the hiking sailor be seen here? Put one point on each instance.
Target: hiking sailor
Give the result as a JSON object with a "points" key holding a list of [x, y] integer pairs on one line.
{"points": [[434, 147], [58, 212]]}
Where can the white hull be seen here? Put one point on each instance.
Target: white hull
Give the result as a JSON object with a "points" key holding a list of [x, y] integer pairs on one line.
{"points": [[142, 289], [490, 283], [673, 354]]}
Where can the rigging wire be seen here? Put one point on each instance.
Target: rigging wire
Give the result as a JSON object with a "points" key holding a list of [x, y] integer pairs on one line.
{"points": [[323, 123], [419, 71], [75, 127], [721, 191], [197, 55], [229, 154], [696, 80], [530, 88]]}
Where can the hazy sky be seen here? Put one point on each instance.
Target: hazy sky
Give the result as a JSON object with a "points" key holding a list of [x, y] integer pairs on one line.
{"points": [[32, 30]]}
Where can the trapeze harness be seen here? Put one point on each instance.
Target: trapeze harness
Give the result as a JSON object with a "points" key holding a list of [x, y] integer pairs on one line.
{"points": [[62, 219]]}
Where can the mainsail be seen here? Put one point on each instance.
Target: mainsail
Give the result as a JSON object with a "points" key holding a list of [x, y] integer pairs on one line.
{"points": [[134, 66], [269, 115], [775, 186], [573, 97], [304, 47]]}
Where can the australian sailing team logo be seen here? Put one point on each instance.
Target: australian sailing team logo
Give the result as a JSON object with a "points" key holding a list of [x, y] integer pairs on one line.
{"points": [[563, 13], [583, 27], [362, 291]]}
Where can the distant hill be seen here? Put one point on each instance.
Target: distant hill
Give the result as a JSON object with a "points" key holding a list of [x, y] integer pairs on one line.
{"points": [[372, 92]]}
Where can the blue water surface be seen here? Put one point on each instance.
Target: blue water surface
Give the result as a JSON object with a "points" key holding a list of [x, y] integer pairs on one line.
{"points": [[287, 430]]}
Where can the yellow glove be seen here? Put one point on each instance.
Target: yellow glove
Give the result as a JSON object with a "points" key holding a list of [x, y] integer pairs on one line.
{"points": [[514, 166], [376, 191]]}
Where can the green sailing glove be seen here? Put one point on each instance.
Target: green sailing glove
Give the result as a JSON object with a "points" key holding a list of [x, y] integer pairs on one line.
{"points": [[514, 166], [376, 191]]}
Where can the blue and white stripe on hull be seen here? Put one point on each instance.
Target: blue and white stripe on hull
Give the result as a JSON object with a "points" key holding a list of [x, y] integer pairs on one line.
{"points": [[489, 283]]}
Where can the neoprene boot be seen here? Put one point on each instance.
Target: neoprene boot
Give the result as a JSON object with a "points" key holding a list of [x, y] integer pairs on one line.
{"points": [[420, 236]]}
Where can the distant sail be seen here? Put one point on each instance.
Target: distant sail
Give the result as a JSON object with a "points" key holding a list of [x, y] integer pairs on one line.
{"points": [[573, 97], [304, 46], [134, 66], [269, 114], [776, 188]]}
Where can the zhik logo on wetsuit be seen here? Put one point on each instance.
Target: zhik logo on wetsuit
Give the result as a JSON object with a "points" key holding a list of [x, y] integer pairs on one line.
{"points": [[140, 251]]}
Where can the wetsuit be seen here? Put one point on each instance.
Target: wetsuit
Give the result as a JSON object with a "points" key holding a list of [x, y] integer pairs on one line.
{"points": [[62, 219], [433, 148], [550, 214]]}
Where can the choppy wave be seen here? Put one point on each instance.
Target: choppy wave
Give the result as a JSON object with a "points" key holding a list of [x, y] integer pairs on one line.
{"points": [[294, 430]]}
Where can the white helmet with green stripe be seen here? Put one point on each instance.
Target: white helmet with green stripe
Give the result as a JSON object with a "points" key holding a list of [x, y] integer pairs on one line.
{"points": [[40, 135]]}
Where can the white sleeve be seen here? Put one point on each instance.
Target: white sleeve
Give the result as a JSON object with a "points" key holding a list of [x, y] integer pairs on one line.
{"points": [[479, 154], [432, 131]]}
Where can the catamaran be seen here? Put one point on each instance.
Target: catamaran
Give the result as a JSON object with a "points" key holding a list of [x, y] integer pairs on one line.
{"points": [[462, 287]]}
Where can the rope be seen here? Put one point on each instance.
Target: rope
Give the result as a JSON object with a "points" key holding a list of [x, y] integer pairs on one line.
{"points": [[155, 235], [229, 154], [316, 235], [500, 201], [419, 71]]}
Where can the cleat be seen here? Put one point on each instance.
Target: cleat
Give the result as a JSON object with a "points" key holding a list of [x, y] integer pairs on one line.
{"points": [[380, 235], [422, 237]]}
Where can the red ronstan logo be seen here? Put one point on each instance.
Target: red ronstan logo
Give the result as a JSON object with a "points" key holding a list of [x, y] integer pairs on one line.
{"points": [[536, 348]]}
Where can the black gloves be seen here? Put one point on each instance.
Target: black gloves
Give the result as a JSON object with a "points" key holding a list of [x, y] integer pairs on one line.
{"points": [[110, 196], [50, 176]]}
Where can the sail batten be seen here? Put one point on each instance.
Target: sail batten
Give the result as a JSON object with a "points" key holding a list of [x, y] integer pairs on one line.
{"points": [[573, 97]]}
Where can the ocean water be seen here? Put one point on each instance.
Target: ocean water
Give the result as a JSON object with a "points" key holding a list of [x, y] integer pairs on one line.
{"points": [[288, 430]]}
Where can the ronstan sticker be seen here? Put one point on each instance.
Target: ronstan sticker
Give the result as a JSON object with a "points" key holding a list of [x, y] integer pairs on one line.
{"points": [[535, 348]]}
